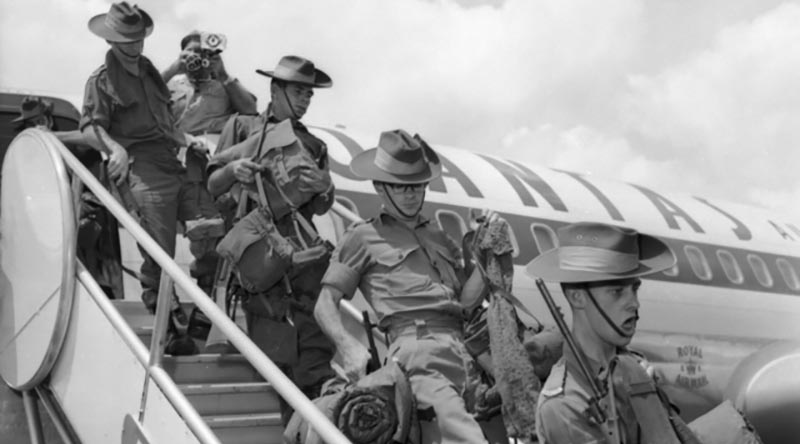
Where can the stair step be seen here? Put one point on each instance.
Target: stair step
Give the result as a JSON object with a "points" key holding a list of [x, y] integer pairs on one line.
{"points": [[247, 429], [232, 399], [145, 333], [210, 369]]}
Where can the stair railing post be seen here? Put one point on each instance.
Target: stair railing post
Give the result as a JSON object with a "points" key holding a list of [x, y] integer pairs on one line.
{"points": [[159, 339]]}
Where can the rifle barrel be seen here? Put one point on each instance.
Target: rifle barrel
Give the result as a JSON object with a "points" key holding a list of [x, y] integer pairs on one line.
{"points": [[562, 325]]}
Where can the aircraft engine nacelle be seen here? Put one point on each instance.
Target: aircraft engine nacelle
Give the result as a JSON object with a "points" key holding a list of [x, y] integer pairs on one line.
{"points": [[766, 387]]}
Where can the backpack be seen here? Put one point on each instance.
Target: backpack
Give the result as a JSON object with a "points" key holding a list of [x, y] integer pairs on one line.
{"points": [[260, 255]]}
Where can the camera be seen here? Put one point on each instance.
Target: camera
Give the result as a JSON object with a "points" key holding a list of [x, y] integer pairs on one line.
{"points": [[212, 42], [210, 45]]}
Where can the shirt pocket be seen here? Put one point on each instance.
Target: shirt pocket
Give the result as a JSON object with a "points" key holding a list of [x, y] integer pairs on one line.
{"points": [[449, 267], [393, 257]]}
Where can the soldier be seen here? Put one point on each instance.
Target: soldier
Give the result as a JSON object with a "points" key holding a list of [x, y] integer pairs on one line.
{"points": [[126, 115], [412, 275], [599, 267], [203, 97], [308, 364]]}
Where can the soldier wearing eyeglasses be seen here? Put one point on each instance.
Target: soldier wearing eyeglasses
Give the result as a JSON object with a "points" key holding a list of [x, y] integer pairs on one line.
{"points": [[412, 275]]}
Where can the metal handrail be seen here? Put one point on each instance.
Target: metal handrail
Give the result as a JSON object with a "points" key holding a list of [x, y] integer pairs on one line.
{"points": [[260, 362]]}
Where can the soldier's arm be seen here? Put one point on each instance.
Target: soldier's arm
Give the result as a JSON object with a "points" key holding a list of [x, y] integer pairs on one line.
{"points": [[354, 354], [94, 121], [348, 263], [96, 137], [243, 101], [474, 291], [231, 166]]}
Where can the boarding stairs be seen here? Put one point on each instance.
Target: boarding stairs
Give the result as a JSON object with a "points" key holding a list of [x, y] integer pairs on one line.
{"points": [[97, 365]]}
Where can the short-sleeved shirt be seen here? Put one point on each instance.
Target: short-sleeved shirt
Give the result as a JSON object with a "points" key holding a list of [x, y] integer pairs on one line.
{"points": [[134, 110], [561, 416], [199, 107], [399, 271], [249, 148]]}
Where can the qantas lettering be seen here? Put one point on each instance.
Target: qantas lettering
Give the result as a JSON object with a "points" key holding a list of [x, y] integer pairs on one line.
{"points": [[524, 181], [515, 177], [605, 201], [740, 230], [451, 170], [722, 266]]}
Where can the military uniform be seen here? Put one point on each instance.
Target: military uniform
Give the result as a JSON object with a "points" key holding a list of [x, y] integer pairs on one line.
{"points": [[134, 111], [564, 400], [413, 280], [309, 363]]}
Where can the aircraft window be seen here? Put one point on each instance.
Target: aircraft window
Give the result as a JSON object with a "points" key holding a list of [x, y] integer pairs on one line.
{"points": [[544, 236], [514, 242], [730, 266], [760, 270], [788, 273], [698, 262], [672, 272], [451, 223]]}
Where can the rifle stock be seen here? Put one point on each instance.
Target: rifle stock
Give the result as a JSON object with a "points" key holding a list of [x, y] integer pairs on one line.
{"points": [[374, 360]]}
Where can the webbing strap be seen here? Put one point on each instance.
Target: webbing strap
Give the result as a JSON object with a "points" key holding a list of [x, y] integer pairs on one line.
{"points": [[650, 412]]}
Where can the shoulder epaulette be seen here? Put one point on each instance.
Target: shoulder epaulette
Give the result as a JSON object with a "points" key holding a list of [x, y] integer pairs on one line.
{"points": [[97, 72], [556, 382]]}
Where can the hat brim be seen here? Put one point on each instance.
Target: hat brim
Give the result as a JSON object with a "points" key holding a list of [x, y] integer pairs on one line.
{"points": [[97, 25], [321, 80], [363, 166], [21, 118], [654, 256]]}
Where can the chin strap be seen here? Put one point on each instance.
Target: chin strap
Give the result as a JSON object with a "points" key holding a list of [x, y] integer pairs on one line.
{"points": [[289, 103], [397, 208], [608, 320]]}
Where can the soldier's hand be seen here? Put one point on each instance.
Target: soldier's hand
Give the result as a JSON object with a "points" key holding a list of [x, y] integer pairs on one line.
{"points": [[118, 163], [244, 170], [355, 362]]}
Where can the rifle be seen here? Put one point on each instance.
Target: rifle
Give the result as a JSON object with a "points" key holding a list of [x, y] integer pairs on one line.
{"points": [[374, 362], [596, 413], [222, 279]]}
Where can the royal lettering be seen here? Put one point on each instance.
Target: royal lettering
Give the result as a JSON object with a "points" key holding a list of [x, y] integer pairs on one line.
{"points": [[669, 211], [690, 351]]}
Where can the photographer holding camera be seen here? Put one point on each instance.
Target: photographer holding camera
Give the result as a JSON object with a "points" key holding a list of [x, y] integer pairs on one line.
{"points": [[203, 97]]}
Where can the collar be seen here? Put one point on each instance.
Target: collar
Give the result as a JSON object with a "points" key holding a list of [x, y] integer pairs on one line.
{"points": [[131, 64], [269, 114], [386, 218], [596, 367]]}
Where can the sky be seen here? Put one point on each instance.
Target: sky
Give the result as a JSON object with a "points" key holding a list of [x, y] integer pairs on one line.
{"points": [[684, 96]]}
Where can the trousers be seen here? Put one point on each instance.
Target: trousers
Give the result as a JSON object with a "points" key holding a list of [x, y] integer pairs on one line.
{"points": [[438, 367], [164, 197]]}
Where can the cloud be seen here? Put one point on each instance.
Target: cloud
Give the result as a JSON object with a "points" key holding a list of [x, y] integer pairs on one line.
{"points": [[678, 96], [730, 112]]}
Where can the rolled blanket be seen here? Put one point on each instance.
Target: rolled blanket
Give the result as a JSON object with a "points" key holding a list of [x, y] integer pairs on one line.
{"points": [[378, 409], [367, 414]]}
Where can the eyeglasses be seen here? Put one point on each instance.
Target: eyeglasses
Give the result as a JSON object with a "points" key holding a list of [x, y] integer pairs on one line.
{"points": [[406, 188]]}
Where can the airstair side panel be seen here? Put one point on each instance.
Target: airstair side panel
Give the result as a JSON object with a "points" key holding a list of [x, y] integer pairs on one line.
{"points": [[98, 380]]}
